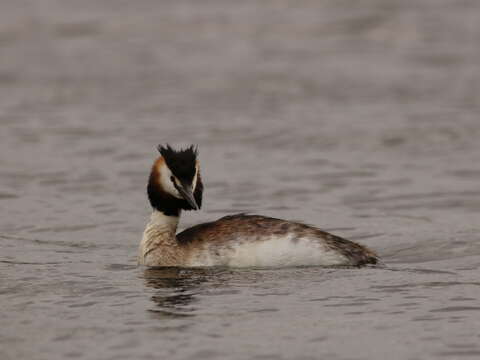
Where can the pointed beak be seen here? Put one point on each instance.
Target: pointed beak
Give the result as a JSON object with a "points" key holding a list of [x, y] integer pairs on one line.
{"points": [[187, 193]]}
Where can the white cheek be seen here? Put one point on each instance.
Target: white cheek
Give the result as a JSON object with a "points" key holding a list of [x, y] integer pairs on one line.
{"points": [[195, 178], [167, 184]]}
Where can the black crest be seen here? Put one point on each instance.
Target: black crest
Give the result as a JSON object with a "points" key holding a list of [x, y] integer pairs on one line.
{"points": [[182, 163]]}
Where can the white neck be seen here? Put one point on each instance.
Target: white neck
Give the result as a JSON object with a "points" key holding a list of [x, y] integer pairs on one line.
{"points": [[162, 221], [160, 232]]}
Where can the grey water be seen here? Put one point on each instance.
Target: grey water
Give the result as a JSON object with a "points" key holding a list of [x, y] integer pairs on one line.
{"points": [[361, 117]]}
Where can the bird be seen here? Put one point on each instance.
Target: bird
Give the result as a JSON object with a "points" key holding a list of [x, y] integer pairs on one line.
{"points": [[240, 240]]}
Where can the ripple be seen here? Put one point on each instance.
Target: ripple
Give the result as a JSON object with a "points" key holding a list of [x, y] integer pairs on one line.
{"points": [[120, 267], [86, 304], [333, 298], [473, 174], [450, 354], [165, 314], [6, 196], [426, 318], [456, 309], [433, 284], [360, 303], [50, 242], [65, 228], [77, 29], [208, 354]]}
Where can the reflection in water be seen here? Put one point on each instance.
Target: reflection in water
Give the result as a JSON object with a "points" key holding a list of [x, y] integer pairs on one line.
{"points": [[176, 289]]}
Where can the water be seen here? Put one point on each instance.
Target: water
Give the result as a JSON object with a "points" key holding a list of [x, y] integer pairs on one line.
{"points": [[360, 117]]}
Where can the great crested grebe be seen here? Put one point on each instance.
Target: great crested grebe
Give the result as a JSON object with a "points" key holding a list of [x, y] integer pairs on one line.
{"points": [[235, 240]]}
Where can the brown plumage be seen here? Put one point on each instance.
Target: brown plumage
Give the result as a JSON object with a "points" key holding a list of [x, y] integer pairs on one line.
{"points": [[227, 230]]}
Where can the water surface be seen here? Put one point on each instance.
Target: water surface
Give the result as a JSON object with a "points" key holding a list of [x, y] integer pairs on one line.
{"points": [[359, 117]]}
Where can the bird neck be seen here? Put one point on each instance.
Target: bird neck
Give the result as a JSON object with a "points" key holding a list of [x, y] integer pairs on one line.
{"points": [[162, 222], [159, 234]]}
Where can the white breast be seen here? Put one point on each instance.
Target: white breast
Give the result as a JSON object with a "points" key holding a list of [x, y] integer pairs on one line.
{"points": [[273, 251]]}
